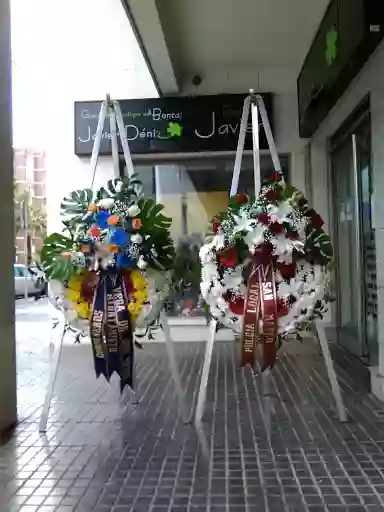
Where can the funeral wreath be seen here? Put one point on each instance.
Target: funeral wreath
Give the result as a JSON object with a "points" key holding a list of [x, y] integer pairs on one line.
{"points": [[265, 267], [112, 267]]}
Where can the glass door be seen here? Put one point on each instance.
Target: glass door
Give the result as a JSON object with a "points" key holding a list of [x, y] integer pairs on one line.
{"points": [[355, 240]]}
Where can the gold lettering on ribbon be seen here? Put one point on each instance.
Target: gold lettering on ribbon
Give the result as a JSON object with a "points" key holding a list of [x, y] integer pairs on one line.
{"points": [[251, 320], [97, 322], [269, 316], [113, 337]]}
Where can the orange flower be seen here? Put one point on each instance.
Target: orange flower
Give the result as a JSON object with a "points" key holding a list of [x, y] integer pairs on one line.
{"points": [[113, 248], [113, 220], [92, 207], [136, 223]]}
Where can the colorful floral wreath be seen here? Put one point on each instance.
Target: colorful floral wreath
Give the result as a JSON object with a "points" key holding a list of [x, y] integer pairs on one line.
{"points": [[113, 229], [278, 230]]}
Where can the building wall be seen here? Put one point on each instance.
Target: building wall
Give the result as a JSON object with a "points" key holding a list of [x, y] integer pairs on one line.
{"points": [[7, 306], [369, 81], [30, 172]]}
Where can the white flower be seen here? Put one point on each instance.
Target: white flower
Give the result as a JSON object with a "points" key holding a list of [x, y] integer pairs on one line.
{"points": [[218, 241], [206, 253], [284, 246], [280, 213], [133, 210], [255, 237], [78, 259], [243, 223], [119, 186], [103, 256], [136, 238], [106, 203], [142, 264]]}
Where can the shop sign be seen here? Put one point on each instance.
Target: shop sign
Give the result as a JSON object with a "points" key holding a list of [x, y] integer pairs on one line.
{"points": [[348, 34], [171, 125]]}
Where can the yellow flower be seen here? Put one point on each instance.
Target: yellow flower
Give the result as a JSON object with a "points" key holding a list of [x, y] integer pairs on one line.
{"points": [[135, 308], [73, 295], [83, 310], [138, 280], [75, 283], [141, 296]]}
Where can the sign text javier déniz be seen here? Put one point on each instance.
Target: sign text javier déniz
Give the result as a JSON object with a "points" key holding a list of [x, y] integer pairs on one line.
{"points": [[170, 125]]}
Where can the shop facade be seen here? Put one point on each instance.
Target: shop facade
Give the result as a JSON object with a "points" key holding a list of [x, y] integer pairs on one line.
{"points": [[341, 111], [184, 151]]}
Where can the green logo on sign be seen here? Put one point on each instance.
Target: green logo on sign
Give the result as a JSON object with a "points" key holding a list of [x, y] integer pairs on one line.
{"points": [[174, 129], [331, 51]]}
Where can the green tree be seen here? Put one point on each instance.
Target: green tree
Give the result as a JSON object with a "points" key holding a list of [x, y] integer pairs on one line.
{"points": [[37, 217]]}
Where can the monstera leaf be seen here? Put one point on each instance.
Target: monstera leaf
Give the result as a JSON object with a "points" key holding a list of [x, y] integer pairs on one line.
{"points": [[132, 188], [151, 217], [319, 242], [160, 252], [75, 206], [55, 265]]}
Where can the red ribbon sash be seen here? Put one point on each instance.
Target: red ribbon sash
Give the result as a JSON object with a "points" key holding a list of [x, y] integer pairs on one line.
{"points": [[260, 316]]}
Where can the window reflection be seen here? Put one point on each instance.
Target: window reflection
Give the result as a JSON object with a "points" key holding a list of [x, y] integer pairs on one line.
{"points": [[192, 192]]}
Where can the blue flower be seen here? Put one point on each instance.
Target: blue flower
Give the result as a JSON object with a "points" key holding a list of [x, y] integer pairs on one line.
{"points": [[101, 219], [125, 260], [119, 237]]}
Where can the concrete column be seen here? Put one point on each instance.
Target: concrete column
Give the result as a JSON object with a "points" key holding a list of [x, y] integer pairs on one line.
{"points": [[7, 315]]}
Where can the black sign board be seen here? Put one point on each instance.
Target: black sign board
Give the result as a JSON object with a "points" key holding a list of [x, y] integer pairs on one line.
{"points": [[171, 125], [349, 33]]}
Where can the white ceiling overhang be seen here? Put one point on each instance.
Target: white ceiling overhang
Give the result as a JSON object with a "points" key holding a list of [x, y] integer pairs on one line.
{"points": [[220, 40]]}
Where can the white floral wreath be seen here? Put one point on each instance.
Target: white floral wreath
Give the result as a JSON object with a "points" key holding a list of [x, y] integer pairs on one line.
{"points": [[277, 229]]}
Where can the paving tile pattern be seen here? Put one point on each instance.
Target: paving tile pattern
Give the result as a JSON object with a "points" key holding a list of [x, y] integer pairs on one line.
{"points": [[282, 452]]}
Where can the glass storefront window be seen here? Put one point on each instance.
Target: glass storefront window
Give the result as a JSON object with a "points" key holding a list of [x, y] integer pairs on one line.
{"points": [[193, 191]]}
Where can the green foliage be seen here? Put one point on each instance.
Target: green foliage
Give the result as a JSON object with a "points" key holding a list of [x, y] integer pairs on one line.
{"points": [[54, 264], [130, 190], [159, 251], [319, 244], [152, 218], [37, 216], [187, 266], [75, 206]]}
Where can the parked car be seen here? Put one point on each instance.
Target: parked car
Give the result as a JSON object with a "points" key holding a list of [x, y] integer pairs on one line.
{"points": [[36, 283]]}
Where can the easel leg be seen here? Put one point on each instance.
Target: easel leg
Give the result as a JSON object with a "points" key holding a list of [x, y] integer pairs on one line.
{"points": [[201, 399], [51, 383], [319, 329], [174, 368]]}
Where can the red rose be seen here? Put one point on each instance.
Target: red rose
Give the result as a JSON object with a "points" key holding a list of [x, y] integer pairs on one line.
{"points": [[293, 235], [88, 287], [215, 226], [228, 258], [95, 231], [236, 305], [126, 275], [241, 199], [275, 176], [282, 308], [263, 218], [287, 271], [263, 254], [276, 228], [271, 196], [316, 221]]}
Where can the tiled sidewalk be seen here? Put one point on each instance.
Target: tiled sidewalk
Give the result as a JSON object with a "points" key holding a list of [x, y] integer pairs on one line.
{"points": [[105, 455]]}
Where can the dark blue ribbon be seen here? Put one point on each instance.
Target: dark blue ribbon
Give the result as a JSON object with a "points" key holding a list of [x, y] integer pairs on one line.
{"points": [[111, 330]]}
